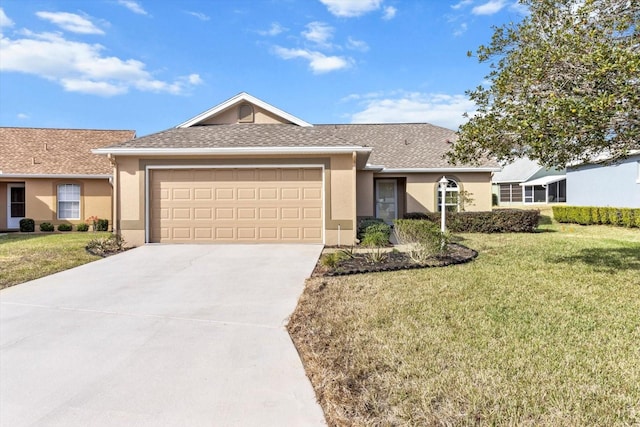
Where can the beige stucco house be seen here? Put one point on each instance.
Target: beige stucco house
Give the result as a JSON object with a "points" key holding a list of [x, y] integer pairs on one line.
{"points": [[50, 175], [246, 171]]}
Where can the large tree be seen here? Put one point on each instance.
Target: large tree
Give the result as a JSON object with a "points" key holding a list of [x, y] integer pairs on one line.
{"points": [[564, 86]]}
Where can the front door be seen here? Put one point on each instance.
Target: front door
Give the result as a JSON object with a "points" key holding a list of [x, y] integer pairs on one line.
{"points": [[15, 205], [386, 200]]}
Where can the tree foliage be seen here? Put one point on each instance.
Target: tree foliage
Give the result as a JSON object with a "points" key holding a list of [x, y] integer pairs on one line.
{"points": [[564, 86]]}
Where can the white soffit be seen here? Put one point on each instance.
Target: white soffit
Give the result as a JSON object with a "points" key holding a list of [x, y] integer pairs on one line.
{"points": [[242, 97], [545, 180]]}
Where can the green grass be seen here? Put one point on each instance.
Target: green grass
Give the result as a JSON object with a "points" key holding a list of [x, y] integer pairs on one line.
{"points": [[25, 257], [541, 329]]}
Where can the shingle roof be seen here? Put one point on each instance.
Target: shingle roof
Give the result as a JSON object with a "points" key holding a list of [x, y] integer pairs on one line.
{"points": [[395, 146], [33, 151]]}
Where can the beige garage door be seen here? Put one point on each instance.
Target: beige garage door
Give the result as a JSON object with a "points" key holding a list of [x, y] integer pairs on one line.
{"points": [[236, 205]]}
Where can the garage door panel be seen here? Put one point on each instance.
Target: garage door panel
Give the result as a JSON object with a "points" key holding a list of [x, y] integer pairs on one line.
{"points": [[227, 205]]}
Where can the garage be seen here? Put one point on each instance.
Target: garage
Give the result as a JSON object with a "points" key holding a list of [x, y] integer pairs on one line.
{"points": [[236, 204]]}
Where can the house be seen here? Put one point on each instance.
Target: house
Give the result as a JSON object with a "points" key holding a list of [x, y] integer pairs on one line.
{"points": [[605, 184], [525, 182], [50, 175], [246, 171]]}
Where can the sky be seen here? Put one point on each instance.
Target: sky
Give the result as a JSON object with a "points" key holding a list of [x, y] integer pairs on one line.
{"points": [[149, 65]]}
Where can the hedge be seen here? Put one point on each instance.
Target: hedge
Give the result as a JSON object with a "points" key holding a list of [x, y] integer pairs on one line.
{"points": [[588, 215], [497, 221]]}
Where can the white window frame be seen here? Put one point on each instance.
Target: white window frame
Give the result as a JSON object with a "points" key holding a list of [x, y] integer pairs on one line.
{"points": [[450, 189], [69, 194]]}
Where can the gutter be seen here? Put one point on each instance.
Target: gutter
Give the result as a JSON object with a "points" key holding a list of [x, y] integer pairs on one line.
{"points": [[51, 175], [439, 170], [230, 151]]}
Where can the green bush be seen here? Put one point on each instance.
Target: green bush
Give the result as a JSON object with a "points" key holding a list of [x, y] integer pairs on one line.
{"points": [[494, 199], [373, 232], [27, 225], [65, 227], [332, 259], [497, 221], [102, 225], [46, 226], [82, 227], [376, 235], [422, 238], [587, 215]]}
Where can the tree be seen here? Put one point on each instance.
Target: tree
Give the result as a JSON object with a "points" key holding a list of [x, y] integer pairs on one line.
{"points": [[564, 86]]}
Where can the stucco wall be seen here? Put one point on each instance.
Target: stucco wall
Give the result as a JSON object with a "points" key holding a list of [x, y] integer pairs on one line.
{"points": [[365, 194], [41, 200], [598, 185], [339, 187], [422, 190], [231, 116]]}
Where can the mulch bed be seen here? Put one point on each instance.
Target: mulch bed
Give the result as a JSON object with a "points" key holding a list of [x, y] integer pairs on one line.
{"points": [[455, 254]]}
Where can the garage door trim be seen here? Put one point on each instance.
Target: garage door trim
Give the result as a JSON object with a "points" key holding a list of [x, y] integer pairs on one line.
{"points": [[149, 168]]}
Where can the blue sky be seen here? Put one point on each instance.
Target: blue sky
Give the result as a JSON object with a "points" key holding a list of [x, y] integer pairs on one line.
{"points": [[149, 65]]}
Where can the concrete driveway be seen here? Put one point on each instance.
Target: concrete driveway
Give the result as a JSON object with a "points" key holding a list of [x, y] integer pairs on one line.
{"points": [[180, 335]]}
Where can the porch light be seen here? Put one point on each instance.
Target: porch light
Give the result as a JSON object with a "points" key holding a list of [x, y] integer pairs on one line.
{"points": [[443, 192]]}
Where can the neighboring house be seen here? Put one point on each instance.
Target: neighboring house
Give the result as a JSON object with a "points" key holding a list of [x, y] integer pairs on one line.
{"points": [[525, 181], [246, 171], [605, 184], [50, 175]]}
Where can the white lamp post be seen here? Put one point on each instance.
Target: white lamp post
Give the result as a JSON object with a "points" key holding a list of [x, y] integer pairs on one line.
{"points": [[443, 192]]}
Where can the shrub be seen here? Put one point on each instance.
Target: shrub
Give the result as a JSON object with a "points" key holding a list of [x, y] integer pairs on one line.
{"points": [[65, 227], [106, 245], [586, 215], [423, 238], [102, 225], [494, 199], [376, 234], [331, 259], [416, 215], [46, 226], [497, 221], [82, 227], [27, 225]]}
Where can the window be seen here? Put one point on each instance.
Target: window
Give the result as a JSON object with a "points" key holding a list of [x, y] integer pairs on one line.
{"points": [[638, 180], [535, 194], [68, 201], [245, 113], [451, 197], [510, 193]]}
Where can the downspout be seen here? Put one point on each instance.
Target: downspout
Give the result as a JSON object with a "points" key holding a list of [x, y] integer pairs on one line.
{"points": [[115, 202], [354, 228]]}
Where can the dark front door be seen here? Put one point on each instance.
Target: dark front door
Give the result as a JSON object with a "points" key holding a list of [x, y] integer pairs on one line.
{"points": [[16, 205]]}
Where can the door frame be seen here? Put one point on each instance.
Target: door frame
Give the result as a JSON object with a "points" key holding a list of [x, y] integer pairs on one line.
{"points": [[14, 222], [395, 194]]}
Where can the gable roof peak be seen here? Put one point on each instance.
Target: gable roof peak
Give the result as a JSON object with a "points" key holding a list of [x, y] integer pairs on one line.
{"points": [[238, 99]]}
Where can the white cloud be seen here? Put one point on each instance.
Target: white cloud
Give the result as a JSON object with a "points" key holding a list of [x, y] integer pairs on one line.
{"points": [[82, 67], [133, 6], [273, 30], [461, 4], [489, 8], [460, 30], [319, 33], [351, 8], [22, 116], [354, 44], [318, 62], [389, 13], [70, 22], [411, 107], [201, 16], [519, 8], [5, 21]]}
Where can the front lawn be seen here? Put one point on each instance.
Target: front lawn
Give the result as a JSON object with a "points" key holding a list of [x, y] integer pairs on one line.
{"points": [[25, 257], [541, 329]]}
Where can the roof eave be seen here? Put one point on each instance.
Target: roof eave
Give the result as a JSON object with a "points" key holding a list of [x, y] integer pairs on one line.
{"points": [[54, 175], [230, 151], [439, 170]]}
